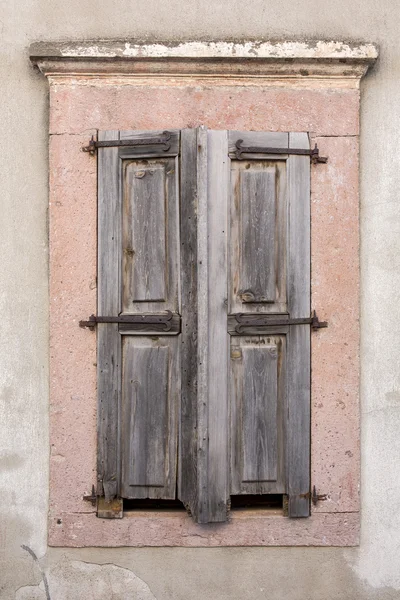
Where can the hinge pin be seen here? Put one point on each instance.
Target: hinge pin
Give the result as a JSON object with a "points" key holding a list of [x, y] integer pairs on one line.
{"points": [[317, 497], [92, 497]]}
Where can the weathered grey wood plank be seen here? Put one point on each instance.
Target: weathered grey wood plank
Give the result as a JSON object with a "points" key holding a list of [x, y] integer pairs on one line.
{"points": [[258, 236], [259, 410], [187, 465], [108, 339], [150, 402], [150, 235], [298, 437], [299, 232], [145, 390], [258, 407], [202, 326], [216, 323], [257, 200], [144, 232], [298, 434]]}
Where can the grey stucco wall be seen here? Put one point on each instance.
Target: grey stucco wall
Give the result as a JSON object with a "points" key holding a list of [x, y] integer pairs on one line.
{"points": [[371, 571]]}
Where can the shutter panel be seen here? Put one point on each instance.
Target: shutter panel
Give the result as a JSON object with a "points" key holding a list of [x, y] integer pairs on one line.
{"points": [[269, 246], [138, 366]]}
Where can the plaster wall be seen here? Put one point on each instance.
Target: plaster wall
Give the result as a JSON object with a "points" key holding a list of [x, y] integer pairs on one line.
{"points": [[371, 571]]}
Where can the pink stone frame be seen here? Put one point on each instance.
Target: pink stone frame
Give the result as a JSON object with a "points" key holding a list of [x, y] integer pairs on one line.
{"points": [[83, 101]]}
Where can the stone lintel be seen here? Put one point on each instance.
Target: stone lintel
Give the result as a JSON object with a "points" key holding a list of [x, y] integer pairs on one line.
{"points": [[288, 59]]}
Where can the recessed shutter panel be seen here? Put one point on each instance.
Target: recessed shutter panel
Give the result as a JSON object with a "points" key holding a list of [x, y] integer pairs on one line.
{"points": [[139, 361]]}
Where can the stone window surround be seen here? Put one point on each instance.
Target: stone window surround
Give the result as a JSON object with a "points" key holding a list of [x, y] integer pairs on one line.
{"points": [[295, 86]]}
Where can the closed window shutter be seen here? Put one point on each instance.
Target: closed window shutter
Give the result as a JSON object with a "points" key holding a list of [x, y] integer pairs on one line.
{"points": [[219, 239], [138, 266]]}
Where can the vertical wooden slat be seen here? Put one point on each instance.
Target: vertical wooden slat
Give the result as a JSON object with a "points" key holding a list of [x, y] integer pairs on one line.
{"points": [[216, 323], [187, 478], [298, 442], [108, 339], [258, 224], [202, 326], [259, 409]]}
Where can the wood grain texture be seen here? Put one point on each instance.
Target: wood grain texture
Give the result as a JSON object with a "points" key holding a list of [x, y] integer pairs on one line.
{"points": [[144, 232], [257, 200], [187, 465], [150, 273], [258, 236], [150, 403], [258, 406], [299, 338], [108, 339], [216, 323], [202, 326], [259, 412]]}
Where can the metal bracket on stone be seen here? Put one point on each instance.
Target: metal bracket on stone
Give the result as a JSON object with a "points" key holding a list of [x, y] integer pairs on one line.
{"points": [[315, 498]]}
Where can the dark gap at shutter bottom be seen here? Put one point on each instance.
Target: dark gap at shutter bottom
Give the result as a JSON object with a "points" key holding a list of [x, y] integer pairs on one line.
{"points": [[153, 504], [244, 502]]}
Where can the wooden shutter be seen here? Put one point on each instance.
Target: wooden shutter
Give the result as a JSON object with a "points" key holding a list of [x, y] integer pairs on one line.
{"points": [[269, 277], [138, 266], [221, 408]]}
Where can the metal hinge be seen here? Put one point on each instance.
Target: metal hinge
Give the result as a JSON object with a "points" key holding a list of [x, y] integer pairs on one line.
{"points": [[92, 497], [163, 141], [313, 153], [246, 320], [162, 321], [315, 498]]}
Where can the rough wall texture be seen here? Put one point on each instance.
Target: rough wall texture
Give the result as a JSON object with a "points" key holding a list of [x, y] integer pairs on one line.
{"points": [[371, 571]]}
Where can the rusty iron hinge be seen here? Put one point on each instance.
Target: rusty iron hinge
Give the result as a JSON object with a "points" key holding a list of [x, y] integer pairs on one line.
{"points": [[92, 497], [315, 498], [163, 141], [163, 321], [246, 320], [313, 153]]}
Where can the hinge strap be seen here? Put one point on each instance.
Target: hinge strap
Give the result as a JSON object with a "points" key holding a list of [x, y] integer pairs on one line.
{"points": [[164, 319], [312, 153], [246, 320], [163, 141]]}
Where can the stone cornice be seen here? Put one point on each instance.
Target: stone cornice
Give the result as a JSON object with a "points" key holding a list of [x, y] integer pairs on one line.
{"points": [[282, 60]]}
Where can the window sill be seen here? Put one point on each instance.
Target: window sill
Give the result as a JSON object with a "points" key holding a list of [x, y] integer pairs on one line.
{"points": [[173, 529]]}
